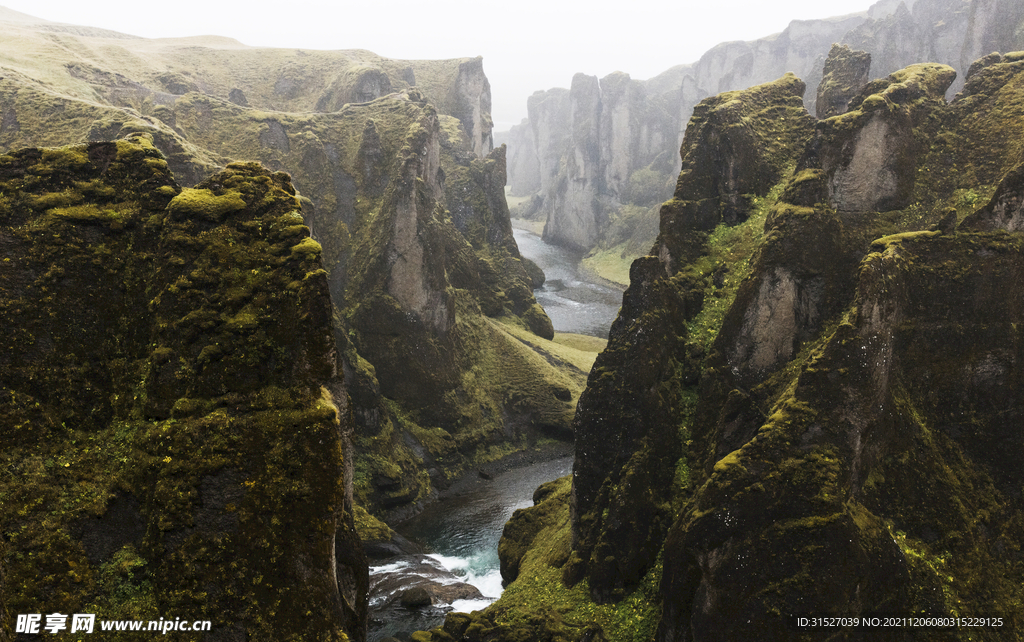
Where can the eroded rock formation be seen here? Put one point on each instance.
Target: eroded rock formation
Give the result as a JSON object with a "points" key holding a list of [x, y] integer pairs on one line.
{"points": [[400, 185], [175, 428], [580, 209], [579, 149], [846, 71], [838, 370]]}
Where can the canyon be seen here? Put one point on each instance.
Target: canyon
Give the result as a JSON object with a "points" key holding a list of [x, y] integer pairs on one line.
{"points": [[596, 160], [261, 306]]}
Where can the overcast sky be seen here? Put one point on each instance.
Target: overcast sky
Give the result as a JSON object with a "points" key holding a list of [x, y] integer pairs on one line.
{"points": [[527, 45]]}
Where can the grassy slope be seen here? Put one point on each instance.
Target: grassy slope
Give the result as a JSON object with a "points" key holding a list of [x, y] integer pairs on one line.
{"points": [[65, 87]]}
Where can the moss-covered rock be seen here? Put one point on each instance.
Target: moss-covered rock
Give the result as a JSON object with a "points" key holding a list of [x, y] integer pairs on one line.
{"points": [[522, 529], [836, 491], [781, 439], [870, 153], [422, 266], [537, 606], [402, 201], [841, 385], [1005, 210], [167, 365], [846, 71], [737, 146], [627, 445]]}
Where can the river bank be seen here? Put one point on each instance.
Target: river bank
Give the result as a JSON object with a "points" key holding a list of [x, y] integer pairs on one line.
{"points": [[442, 555], [456, 566], [544, 450], [574, 300], [604, 267]]}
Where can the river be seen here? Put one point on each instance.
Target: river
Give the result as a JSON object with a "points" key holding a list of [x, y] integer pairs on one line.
{"points": [[574, 302], [462, 531]]}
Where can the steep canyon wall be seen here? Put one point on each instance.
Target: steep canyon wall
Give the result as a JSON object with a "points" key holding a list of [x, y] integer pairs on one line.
{"points": [[578, 206], [435, 358], [400, 185], [174, 421], [808, 403]]}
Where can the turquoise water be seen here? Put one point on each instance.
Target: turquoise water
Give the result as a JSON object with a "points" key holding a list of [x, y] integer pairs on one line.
{"points": [[462, 534]]}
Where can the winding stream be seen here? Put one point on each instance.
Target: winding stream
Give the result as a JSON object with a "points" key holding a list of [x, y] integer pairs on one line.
{"points": [[462, 532], [573, 301]]}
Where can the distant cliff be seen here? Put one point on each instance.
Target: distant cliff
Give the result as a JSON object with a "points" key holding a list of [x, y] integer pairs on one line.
{"points": [[175, 427], [810, 401], [580, 149], [581, 170], [132, 82]]}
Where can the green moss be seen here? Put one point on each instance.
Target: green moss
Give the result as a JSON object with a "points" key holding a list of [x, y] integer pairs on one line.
{"points": [[874, 102], [54, 200], [151, 453], [347, 159], [730, 464], [62, 159], [307, 247], [205, 204], [85, 213], [727, 262], [454, 135], [883, 243], [125, 584], [369, 528], [437, 440], [539, 601]]}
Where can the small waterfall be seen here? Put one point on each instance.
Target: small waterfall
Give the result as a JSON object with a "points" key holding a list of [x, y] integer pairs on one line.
{"points": [[462, 533]]}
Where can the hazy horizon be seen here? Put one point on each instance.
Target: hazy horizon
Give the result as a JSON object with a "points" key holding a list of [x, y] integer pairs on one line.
{"points": [[535, 46]]}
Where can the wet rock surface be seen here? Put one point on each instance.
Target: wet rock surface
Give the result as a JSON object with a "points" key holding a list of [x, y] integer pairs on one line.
{"points": [[416, 581]]}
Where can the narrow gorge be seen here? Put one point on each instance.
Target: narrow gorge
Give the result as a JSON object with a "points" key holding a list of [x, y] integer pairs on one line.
{"points": [[277, 354]]}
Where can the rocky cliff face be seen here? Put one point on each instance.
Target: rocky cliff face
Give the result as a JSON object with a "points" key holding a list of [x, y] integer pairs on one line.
{"points": [[846, 71], [168, 361], [400, 187], [993, 25], [895, 35], [524, 168], [740, 145], [643, 128], [423, 264], [580, 149], [820, 368], [809, 401]]}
